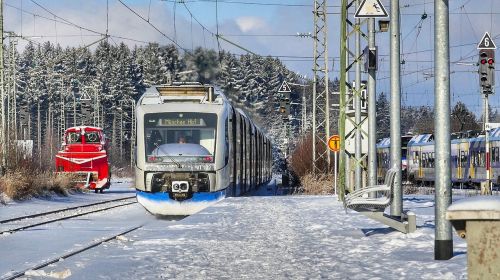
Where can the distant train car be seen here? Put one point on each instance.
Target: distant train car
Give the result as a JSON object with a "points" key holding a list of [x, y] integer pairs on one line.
{"points": [[469, 159], [384, 156], [194, 148], [421, 158], [84, 153]]}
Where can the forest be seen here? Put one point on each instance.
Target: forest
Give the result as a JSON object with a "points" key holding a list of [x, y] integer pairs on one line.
{"points": [[51, 88]]}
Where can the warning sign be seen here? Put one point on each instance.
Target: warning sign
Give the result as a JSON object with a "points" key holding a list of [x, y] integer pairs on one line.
{"points": [[371, 9], [486, 43], [284, 87], [334, 143]]}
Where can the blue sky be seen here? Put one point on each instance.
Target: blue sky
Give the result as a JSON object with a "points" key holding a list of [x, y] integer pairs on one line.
{"points": [[275, 25]]}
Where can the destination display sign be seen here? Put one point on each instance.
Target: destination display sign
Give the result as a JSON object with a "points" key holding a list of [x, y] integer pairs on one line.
{"points": [[182, 122]]}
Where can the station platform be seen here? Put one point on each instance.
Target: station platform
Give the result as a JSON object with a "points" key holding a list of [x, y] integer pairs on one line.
{"points": [[271, 237]]}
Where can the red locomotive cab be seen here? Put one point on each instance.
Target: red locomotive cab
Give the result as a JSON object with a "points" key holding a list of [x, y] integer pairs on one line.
{"points": [[84, 153]]}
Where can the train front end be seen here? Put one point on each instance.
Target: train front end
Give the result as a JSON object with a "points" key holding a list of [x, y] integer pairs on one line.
{"points": [[83, 155], [181, 163]]}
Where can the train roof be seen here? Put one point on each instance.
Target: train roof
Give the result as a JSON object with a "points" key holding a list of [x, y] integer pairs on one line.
{"points": [[194, 93], [495, 133], [467, 136], [83, 127], [421, 139], [384, 143]]}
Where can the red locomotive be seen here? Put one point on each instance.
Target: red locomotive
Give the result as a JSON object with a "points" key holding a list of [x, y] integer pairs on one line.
{"points": [[84, 153]]}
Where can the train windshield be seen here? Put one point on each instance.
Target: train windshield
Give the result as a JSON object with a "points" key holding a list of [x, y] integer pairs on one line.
{"points": [[73, 138], [180, 137], [91, 137]]}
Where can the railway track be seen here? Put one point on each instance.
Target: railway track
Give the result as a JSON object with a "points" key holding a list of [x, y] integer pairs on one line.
{"points": [[38, 219], [91, 245]]}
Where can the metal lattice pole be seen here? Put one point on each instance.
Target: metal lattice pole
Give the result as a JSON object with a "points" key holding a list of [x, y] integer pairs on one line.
{"points": [[351, 120], [321, 114], [14, 88], [2, 92], [63, 111]]}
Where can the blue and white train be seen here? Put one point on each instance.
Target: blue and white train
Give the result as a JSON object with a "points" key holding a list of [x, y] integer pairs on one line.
{"points": [[384, 156], [194, 148], [469, 158]]}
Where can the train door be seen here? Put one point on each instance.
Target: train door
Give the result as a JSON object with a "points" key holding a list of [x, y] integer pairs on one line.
{"points": [[248, 150], [245, 156], [232, 149], [495, 158], [252, 158], [420, 158], [463, 161], [239, 154], [457, 172]]}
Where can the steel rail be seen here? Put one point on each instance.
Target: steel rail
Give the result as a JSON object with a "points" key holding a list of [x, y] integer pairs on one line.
{"points": [[63, 218], [62, 210], [65, 256]]}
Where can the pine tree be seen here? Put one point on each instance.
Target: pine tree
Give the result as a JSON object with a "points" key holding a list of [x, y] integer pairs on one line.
{"points": [[383, 116]]}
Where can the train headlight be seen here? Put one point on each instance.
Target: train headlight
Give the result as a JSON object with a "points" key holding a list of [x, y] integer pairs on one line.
{"points": [[180, 186]]}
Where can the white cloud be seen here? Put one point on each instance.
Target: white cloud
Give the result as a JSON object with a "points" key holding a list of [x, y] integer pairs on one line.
{"points": [[250, 23]]}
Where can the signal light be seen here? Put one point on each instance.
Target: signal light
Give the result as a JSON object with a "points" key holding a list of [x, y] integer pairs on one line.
{"points": [[486, 70]]}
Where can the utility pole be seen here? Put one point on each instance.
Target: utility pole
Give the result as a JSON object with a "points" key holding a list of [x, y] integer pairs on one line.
{"points": [[39, 133], [443, 242], [372, 111], [121, 134], [13, 107], [63, 111], [321, 106], [396, 205], [2, 89], [357, 106], [133, 130]]}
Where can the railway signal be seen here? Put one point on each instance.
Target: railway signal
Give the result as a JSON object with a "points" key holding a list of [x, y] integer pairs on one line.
{"points": [[487, 70], [284, 94]]}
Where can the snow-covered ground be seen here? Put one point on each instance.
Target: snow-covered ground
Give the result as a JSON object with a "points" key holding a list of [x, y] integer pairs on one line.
{"points": [[257, 237], [120, 187]]}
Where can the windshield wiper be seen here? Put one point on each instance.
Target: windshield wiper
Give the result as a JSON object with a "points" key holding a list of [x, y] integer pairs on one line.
{"points": [[169, 156]]}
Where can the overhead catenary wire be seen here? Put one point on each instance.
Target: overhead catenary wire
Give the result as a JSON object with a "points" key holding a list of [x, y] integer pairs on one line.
{"points": [[96, 33], [154, 27], [250, 3], [218, 36]]}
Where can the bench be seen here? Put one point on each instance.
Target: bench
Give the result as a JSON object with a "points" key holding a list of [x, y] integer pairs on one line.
{"points": [[372, 201]]}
